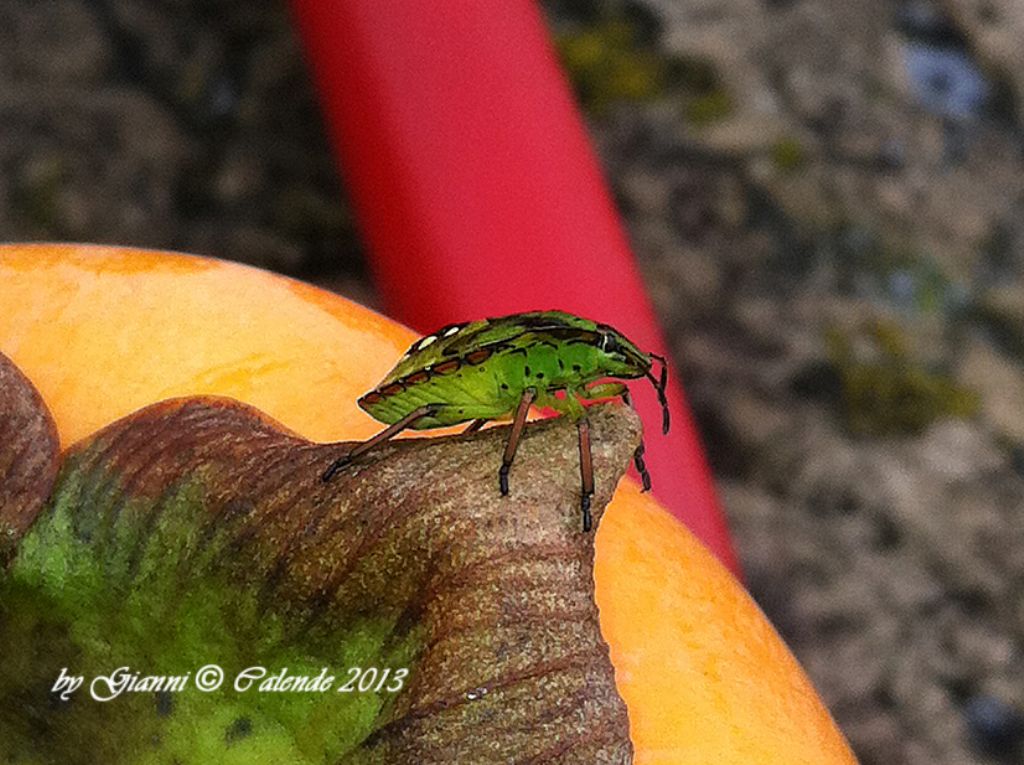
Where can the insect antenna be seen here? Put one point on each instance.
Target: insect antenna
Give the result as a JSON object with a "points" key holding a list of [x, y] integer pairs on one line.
{"points": [[660, 384]]}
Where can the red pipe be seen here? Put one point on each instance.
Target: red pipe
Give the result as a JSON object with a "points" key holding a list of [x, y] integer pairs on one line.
{"points": [[478, 192]]}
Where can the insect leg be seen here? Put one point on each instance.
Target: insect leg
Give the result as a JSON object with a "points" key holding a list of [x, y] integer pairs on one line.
{"points": [[474, 426], [607, 390], [638, 455], [385, 435], [586, 471], [513, 438]]}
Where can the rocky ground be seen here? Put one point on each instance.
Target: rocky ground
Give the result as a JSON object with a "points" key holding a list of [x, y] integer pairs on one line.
{"points": [[827, 200]]}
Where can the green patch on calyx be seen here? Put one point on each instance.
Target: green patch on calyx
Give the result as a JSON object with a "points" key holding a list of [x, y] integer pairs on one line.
{"points": [[136, 583]]}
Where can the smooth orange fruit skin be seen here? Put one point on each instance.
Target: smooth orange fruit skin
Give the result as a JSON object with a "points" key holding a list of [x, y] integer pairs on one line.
{"points": [[103, 331]]}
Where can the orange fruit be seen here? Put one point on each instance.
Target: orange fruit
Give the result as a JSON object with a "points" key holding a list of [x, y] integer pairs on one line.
{"points": [[103, 331]]}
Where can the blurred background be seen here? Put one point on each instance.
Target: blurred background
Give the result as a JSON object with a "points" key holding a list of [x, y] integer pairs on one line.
{"points": [[826, 201]]}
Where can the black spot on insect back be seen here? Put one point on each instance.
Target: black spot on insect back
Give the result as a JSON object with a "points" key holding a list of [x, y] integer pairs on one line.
{"points": [[526, 371]]}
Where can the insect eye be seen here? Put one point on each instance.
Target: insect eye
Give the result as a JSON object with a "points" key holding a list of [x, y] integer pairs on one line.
{"points": [[609, 344]]}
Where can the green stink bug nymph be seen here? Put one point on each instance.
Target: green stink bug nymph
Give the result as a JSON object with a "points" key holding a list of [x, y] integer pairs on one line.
{"points": [[496, 368]]}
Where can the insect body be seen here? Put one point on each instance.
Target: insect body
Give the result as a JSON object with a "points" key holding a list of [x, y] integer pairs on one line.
{"points": [[493, 368]]}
